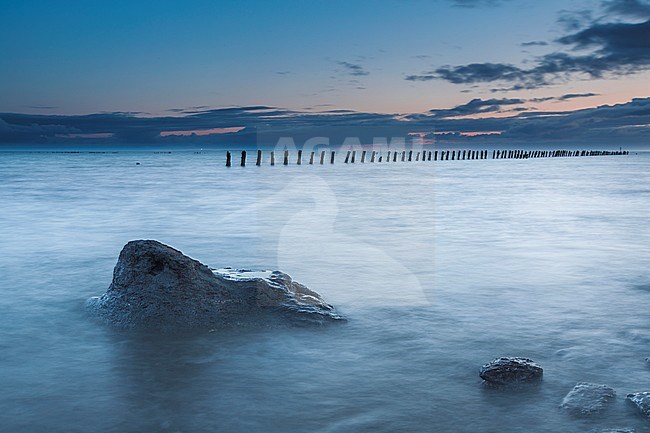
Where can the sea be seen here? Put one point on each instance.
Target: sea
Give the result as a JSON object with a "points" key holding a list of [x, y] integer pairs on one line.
{"points": [[439, 267]]}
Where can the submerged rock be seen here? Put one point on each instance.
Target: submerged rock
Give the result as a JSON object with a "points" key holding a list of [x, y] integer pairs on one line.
{"points": [[642, 402], [156, 286], [506, 370], [587, 398]]}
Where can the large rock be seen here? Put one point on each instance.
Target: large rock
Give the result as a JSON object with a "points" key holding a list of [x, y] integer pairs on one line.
{"points": [[587, 398], [642, 402], [508, 370], [155, 286]]}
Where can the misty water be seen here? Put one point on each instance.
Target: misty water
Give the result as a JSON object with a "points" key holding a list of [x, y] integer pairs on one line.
{"points": [[439, 268]]}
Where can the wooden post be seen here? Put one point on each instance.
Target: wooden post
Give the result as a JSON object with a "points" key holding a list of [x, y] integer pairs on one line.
{"points": [[332, 157], [403, 155], [380, 158], [417, 156], [286, 157], [453, 155], [243, 158], [228, 159], [372, 157], [322, 157], [259, 158], [363, 157], [410, 155], [395, 156], [299, 161], [447, 156], [272, 158], [429, 156], [435, 155], [347, 157], [354, 154], [311, 158]]}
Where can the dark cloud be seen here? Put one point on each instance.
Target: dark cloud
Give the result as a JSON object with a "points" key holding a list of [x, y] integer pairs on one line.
{"points": [[544, 99], [354, 69], [618, 123], [623, 123], [424, 77], [615, 43], [572, 20], [188, 110], [478, 72], [576, 95], [475, 106], [564, 97], [601, 49], [22, 132], [534, 44], [619, 48], [628, 8]]}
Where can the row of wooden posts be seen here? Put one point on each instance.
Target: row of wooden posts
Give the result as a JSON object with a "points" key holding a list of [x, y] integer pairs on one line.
{"points": [[426, 155]]}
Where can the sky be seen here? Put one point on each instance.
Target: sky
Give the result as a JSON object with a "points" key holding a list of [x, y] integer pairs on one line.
{"points": [[213, 71]]}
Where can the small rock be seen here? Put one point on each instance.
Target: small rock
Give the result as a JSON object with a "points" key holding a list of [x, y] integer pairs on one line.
{"points": [[641, 400], [508, 369], [587, 398]]}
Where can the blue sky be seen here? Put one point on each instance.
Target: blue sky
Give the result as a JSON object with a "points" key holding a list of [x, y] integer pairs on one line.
{"points": [[399, 57]]}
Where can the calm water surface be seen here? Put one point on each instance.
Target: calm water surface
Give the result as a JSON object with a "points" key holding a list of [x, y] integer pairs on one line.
{"points": [[439, 267]]}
